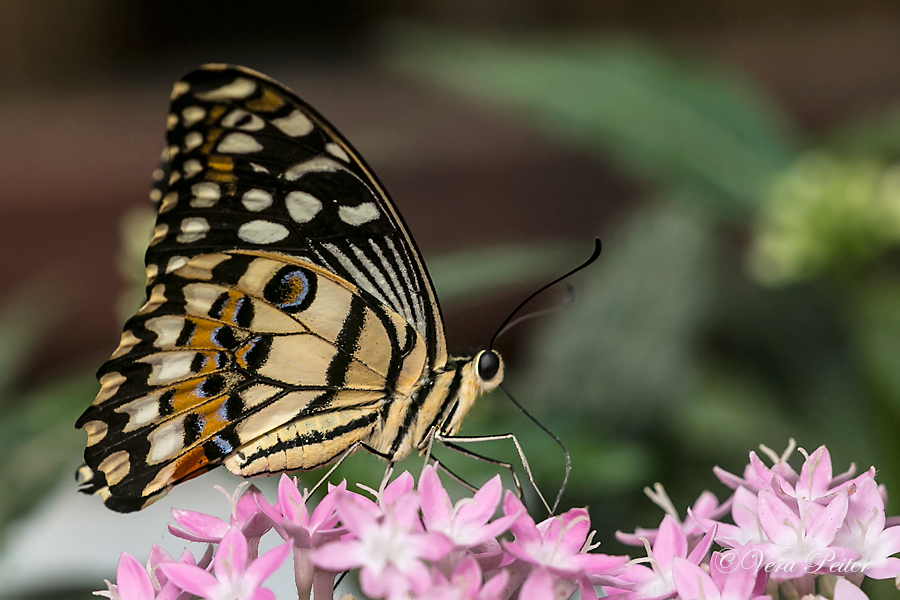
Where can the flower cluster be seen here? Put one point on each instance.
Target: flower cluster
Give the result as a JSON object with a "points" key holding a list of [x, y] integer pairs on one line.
{"points": [[808, 535], [407, 542], [794, 533]]}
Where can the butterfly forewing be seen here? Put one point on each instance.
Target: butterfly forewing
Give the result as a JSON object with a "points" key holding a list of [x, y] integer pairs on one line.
{"points": [[253, 166], [287, 303]]}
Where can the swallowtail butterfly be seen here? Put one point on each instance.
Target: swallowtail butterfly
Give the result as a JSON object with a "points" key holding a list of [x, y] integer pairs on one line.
{"points": [[289, 315]]}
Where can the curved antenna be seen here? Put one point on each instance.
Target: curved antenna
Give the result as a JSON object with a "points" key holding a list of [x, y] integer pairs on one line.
{"points": [[570, 298], [597, 248], [562, 488]]}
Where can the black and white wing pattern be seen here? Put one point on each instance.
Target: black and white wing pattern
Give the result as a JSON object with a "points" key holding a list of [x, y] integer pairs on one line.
{"points": [[289, 315]]}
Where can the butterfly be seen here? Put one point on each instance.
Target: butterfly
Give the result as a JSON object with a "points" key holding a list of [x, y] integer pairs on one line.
{"points": [[289, 318]]}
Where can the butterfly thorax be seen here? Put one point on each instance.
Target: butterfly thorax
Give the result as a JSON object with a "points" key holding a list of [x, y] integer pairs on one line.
{"points": [[437, 404]]}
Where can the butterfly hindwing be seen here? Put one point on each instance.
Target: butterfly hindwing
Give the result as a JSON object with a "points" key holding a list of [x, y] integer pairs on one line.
{"points": [[268, 353]]}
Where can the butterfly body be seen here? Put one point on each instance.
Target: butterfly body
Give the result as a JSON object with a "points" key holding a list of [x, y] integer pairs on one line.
{"points": [[289, 316]]}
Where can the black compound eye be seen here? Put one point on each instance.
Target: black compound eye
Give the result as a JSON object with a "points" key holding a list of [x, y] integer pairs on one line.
{"points": [[488, 365]]}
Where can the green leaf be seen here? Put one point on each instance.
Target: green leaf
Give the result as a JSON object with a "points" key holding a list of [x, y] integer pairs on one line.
{"points": [[675, 122]]}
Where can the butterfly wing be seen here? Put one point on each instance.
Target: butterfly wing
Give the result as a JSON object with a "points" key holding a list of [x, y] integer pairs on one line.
{"points": [[253, 166], [286, 300]]}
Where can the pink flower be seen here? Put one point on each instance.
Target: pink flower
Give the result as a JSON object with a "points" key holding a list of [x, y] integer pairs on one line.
{"points": [[746, 529], [245, 515], [705, 509], [557, 550], [801, 543], [132, 581], [136, 582], [466, 522], [293, 523], [657, 581], [465, 583], [388, 548], [864, 532], [233, 576], [730, 577]]}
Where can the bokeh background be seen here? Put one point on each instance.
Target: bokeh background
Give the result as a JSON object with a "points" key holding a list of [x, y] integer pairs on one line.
{"points": [[739, 161]]}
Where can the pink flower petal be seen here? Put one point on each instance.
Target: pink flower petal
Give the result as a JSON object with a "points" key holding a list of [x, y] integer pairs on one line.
{"points": [[485, 503], [523, 528], [538, 586], [191, 579], [435, 500], [844, 590], [397, 488], [778, 521], [231, 555], [670, 543], [693, 582], [291, 501], [132, 580], [338, 556], [576, 525], [828, 522], [197, 527]]}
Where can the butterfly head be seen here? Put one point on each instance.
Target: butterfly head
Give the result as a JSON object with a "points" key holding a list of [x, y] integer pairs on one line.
{"points": [[488, 369]]}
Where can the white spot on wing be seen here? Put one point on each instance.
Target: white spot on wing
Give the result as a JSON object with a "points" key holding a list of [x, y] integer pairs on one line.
{"points": [[357, 215], [155, 195], [165, 441], [191, 168], [140, 412], [239, 143], [192, 140], [168, 367], [171, 121], [168, 202], [167, 329], [206, 194], [335, 150], [295, 124], [238, 89], [176, 262], [254, 123], [259, 168], [314, 165], [178, 89], [192, 115], [302, 206], [256, 200], [262, 232], [159, 233], [192, 229]]}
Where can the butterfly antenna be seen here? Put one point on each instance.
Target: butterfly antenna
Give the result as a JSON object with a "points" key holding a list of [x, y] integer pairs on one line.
{"points": [[565, 482], [597, 248], [570, 298]]}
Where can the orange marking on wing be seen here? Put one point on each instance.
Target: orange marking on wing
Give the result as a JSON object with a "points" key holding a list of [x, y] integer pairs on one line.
{"points": [[214, 114], [212, 137], [269, 101], [192, 464]]}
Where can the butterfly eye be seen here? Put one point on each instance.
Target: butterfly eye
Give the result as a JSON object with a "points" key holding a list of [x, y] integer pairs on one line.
{"points": [[488, 365]]}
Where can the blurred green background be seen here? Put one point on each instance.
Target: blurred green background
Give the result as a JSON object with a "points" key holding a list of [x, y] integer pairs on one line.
{"points": [[740, 163]]}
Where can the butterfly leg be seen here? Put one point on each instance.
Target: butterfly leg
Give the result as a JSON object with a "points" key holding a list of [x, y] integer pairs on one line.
{"points": [[452, 442], [336, 464]]}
